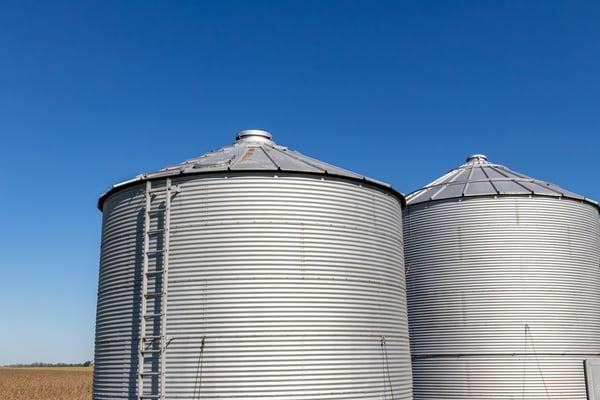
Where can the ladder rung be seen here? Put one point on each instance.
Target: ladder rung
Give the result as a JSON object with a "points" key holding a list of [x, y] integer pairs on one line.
{"points": [[155, 231], [150, 373], [158, 272], [159, 190], [154, 252], [149, 396], [154, 215], [152, 315], [154, 294], [153, 351], [151, 337], [151, 346]]}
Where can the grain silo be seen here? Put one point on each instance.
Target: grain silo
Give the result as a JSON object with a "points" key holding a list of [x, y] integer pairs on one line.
{"points": [[252, 272], [503, 280]]}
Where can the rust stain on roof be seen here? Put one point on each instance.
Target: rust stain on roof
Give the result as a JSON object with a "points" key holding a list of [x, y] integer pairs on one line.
{"points": [[249, 154]]}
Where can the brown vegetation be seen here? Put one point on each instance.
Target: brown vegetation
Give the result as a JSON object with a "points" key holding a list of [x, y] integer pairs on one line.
{"points": [[67, 383]]}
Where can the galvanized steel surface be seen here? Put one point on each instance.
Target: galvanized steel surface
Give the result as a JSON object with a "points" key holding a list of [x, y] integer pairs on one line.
{"points": [[479, 177], [119, 295], [286, 286], [495, 377], [253, 150], [504, 296]]}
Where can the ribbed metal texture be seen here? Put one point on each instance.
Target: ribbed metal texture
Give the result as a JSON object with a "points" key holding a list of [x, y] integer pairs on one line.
{"points": [[294, 282], [503, 296], [119, 295], [253, 150], [511, 377], [479, 177]]}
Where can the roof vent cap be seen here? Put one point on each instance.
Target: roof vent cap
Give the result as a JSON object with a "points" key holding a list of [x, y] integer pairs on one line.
{"points": [[476, 157], [254, 135]]}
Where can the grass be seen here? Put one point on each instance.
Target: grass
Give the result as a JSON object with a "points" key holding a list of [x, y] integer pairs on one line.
{"points": [[46, 383]]}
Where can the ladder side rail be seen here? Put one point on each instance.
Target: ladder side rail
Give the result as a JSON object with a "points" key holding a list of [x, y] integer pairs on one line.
{"points": [[143, 300], [165, 288]]}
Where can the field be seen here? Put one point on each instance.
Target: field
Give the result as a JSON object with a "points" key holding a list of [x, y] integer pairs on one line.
{"points": [[52, 383]]}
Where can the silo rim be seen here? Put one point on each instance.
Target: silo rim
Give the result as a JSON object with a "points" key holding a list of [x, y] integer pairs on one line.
{"points": [[144, 177], [253, 151], [530, 195], [479, 177]]}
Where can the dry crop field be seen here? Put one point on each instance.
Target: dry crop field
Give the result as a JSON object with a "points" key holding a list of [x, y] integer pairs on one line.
{"points": [[52, 383]]}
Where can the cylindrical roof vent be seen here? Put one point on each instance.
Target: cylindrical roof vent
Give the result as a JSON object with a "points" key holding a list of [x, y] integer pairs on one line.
{"points": [[254, 134]]}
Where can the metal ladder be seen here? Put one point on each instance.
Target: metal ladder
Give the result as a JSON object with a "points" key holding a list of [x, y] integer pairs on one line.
{"points": [[153, 319]]}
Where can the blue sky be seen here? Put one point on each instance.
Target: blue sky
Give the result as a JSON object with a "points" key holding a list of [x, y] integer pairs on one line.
{"points": [[95, 92]]}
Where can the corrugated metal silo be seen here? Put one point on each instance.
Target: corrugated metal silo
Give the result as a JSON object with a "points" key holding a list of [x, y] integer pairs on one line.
{"points": [[503, 280], [252, 272]]}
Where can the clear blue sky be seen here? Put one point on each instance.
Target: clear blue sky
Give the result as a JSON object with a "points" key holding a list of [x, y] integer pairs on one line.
{"points": [[96, 92]]}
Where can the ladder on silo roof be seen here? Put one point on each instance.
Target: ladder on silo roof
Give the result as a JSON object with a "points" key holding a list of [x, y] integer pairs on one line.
{"points": [[153, 316]]}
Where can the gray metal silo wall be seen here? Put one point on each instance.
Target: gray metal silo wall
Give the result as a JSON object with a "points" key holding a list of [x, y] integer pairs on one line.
{"points": [[119, 294], [503, 297], [295, 283]]}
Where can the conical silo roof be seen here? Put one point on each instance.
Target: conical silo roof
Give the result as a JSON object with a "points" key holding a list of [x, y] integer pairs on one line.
{"points": [[479, 177], [252, 151]]}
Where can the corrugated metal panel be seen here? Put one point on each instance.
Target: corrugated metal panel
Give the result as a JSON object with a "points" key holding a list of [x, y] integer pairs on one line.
{"points": [[511, 377], [478, 177], [294, 282], [253, 150], [117, 317], [501, 276]]}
